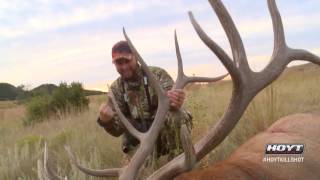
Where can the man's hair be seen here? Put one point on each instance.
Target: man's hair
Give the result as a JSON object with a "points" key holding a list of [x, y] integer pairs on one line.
{"points": [[121, 47]]}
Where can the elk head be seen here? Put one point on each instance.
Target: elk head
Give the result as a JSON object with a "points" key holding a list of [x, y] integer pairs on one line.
{"points": [[246, 85]]}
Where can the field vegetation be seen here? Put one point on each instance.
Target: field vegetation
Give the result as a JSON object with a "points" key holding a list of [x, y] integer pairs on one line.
{"points": [[297, 90]]}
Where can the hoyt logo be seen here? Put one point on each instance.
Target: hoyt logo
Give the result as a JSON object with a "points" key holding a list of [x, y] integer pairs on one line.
{"points": [[284, 148]]}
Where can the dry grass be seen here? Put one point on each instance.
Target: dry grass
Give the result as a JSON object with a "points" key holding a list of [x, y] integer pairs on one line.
{"points": [[21, 146]]}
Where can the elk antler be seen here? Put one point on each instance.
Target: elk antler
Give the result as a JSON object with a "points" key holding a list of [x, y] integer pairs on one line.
{"points": [[45, 172], [148, 139], [246, 83]]}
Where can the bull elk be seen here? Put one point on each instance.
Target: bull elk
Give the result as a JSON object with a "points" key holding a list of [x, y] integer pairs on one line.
{"points": [[249, 161], [246, 85]]}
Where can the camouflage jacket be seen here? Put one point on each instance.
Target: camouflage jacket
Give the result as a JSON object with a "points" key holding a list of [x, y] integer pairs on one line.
{"points": [[134, 103]]}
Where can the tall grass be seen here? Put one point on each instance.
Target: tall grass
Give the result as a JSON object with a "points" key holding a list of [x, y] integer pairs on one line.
{"points": [[21, 146]]}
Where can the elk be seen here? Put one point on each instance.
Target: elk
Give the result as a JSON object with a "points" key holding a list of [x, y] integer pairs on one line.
{"points": [[247, 161], [246, 85]]}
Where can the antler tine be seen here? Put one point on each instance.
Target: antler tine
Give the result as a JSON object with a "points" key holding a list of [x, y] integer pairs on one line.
{"points": [[45, 171], [137, 134], [216, 49], [40, 170], [238, 51], [190, 154], [300, 54], [182, 79], [149, 140], [181, 74], [113, 172], [282, 54], [279, 59], [45, 158], [279, 37], [159, 90]]}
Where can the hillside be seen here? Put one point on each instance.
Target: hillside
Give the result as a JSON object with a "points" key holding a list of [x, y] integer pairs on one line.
{"points": [[10, 92], [44, 88]]}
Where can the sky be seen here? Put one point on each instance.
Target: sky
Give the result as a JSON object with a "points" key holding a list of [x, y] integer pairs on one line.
{"points": [[53, 41]]}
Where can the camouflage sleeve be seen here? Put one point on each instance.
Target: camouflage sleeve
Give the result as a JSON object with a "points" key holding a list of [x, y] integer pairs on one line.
{"points": [[115, 127], [163, 77]]}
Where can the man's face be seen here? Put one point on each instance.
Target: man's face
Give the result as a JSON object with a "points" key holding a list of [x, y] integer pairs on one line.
{"points": [[126, 67]]}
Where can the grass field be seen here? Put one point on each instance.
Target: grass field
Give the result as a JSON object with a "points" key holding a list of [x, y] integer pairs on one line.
{"points": [[297, 90]]}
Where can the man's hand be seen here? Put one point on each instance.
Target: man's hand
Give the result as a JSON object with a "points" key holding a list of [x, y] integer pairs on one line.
{"points": [[176, 98], [106, 113]]}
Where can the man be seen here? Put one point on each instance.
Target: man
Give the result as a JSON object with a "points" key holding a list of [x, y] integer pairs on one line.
{"points": [[138, 102]]}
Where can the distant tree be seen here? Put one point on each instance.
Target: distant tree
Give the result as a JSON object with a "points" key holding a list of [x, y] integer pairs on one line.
{"points": [[39, 108], [64, 99], [22, 93], [77, 97], [60, 98]]}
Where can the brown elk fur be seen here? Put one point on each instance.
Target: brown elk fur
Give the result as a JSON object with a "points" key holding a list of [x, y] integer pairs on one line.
{"points": [[247, 161]]}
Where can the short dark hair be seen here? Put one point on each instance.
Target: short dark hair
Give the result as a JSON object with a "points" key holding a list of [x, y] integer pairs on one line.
{"points": [[121, 47]]}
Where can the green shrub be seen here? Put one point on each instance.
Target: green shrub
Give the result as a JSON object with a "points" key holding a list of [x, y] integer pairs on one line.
{"points": [[70, 98], [60, 98], [38, 109], [64, 99], [77, 97]]}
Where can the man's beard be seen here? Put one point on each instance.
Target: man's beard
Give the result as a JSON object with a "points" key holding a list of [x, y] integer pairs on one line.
{"points": [[130, 75]]}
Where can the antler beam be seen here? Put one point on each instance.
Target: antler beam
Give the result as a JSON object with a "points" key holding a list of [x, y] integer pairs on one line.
{"points": [[246, 83], [148, 139]]}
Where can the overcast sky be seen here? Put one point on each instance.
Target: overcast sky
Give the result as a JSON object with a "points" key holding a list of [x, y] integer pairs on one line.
{"points": [[50, 41]]}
